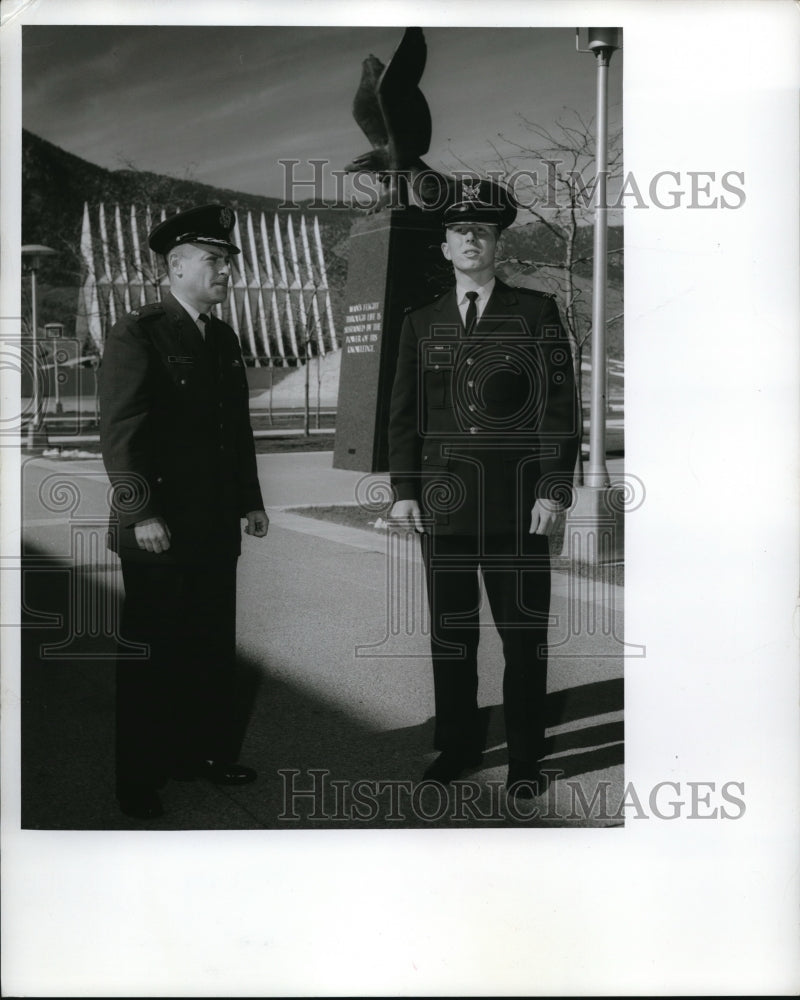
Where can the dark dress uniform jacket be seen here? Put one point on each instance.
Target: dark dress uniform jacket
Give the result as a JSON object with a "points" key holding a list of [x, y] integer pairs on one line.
{"points": [[175, 432], [483, 424]]}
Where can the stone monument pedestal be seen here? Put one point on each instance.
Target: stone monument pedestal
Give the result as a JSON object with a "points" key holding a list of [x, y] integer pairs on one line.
{"points": [[395, 262]]}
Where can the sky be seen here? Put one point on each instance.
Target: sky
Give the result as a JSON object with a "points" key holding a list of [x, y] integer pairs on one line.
{"points": [[223, 105]]}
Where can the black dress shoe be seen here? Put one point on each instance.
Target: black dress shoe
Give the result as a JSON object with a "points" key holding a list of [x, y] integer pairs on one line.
{"points": [[448, 766], [526, 779], [140, 803]]}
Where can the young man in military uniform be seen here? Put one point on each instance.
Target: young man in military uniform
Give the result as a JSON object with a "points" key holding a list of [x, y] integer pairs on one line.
{"points": [[178, 448], [483, 439]]}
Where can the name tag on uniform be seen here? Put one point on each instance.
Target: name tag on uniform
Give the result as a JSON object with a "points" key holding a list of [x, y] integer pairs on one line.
{"points": [[179, 359]]}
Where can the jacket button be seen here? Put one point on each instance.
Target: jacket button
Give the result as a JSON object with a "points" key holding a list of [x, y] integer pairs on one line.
{"points": [[473, 430], [436, 368], [183, 381], [469, 361], [470, 384], [472, 406], [159, 479]]}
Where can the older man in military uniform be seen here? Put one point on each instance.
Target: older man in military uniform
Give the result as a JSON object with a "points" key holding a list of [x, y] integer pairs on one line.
{"points": [[178, 448], [483, 439]]}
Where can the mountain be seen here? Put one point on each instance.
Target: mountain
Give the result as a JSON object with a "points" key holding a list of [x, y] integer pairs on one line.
{"points": [[56, 184]]}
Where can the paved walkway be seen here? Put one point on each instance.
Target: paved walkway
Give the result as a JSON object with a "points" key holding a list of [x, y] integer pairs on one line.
{"points": [[336, 698]]}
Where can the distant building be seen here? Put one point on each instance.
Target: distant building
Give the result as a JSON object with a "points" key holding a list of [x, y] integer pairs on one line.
{"points": [[278, 299]]}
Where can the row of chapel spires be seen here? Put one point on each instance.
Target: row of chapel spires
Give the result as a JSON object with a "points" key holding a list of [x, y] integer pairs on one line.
{"points": [[278, 300]]}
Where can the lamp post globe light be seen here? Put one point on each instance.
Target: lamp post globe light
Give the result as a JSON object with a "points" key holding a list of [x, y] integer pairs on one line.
{"points": [[32, 256]]}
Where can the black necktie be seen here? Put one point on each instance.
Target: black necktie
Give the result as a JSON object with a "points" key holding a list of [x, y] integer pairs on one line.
{"points": [[202, 320], [208, 337], [472, 312]]}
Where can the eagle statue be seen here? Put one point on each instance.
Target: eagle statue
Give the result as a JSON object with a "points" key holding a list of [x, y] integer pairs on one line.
{"points": [[392, 112]]}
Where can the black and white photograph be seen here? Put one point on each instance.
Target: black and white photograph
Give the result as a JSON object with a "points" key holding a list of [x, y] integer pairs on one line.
{"points": [[400, 499], [343, 398]]}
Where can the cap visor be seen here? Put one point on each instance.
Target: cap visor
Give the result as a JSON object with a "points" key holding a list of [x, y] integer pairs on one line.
{"points": [[216, 243]]}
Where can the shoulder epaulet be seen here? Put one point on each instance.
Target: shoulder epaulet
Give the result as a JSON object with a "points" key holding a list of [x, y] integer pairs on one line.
{"points": [[149, 311]]}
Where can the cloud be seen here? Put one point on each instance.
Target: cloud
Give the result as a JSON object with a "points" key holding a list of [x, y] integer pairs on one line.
{"points": [[227, 99]]}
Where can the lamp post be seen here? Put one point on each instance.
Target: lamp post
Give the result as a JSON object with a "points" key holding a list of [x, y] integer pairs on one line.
{"points": [[595, 527], [602, 42], [32, 255]]}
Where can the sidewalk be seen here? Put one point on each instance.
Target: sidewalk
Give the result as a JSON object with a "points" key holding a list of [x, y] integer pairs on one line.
{"points": [[336, 676]]}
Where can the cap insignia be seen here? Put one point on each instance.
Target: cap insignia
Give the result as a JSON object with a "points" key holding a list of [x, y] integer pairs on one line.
{"points": [[471, 191]]}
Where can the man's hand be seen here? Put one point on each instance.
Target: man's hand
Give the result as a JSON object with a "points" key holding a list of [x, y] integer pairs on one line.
{"points": [[257, 523], [406, 514], [152, 535], [546, 518]]}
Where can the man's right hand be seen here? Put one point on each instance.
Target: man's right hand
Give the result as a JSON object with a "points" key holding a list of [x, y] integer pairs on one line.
{"points": [[152, 535], [406, 514]]}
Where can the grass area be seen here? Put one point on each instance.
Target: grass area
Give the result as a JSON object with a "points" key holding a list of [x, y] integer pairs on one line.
{"points": [[354, 516], [350, 515], [295, 442], [260, 420], [264, 446]]}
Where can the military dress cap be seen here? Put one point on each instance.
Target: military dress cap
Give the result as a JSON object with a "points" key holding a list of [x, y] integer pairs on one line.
{"points": [[481, 200], [208, 224]]}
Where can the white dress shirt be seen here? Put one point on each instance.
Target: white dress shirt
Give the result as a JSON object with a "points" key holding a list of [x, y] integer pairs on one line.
{"points": [[194, 313], [484, 294]]}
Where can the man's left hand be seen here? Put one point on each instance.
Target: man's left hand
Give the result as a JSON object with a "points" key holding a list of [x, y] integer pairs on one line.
{"points": [[257, 523], [546, 518]]}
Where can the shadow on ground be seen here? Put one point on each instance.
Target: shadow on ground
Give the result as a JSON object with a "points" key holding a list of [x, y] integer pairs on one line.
{"points": [[319, 766]]}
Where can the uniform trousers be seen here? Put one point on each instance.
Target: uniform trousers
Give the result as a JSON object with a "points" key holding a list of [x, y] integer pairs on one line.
{"points": [[516, 577], [174, 707]]}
